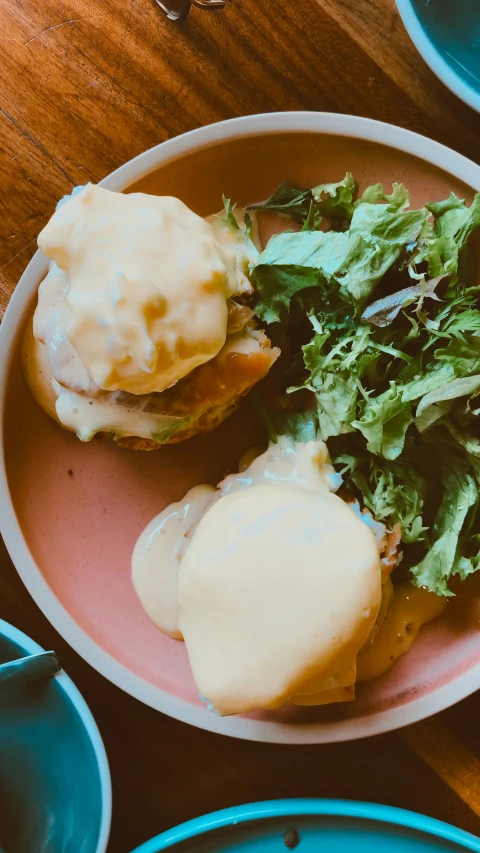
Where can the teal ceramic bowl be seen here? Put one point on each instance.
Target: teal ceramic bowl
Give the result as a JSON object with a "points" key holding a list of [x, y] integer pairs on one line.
{"points": [[311, 826], [447, 34], [55, 792]]}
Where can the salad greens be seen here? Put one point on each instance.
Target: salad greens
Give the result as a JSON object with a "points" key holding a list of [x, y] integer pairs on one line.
{"points": [[384, 303]]}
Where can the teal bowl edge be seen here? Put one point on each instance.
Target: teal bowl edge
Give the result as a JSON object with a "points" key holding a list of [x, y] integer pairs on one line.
{"points": [[68, 687], [307, 808], [433, 58]]}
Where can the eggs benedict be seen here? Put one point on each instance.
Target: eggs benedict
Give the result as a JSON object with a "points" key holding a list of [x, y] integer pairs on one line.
{"points": [[279, 587], [138, 330], [278, 591], [273, 581]]}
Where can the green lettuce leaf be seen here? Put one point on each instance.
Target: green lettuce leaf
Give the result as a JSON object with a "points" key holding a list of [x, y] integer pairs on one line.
{"points": [[384, 423], [289, 200], [376, 239], [318, 250], [335, 378], [394, 493], [447, 252], [454, 218], [336, 395], [468, 439], [460, 321], [228, 218], [462, 354], [436, 404], [299, 426], [447, 205], [276, 287], [293, 262], [166, 434], [335, 201], [414, 389], [357, 259], [314, 219], [459, 497], [397, 199]]}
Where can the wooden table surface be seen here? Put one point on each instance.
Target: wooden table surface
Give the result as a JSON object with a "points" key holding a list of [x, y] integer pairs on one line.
{"points": [[84, 86]]}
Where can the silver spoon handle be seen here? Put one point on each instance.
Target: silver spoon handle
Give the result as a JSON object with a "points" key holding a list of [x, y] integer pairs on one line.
{"points": [[27, 669], [178, 10]]}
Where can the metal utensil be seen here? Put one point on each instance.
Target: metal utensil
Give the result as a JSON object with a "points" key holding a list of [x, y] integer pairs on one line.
{"points": [[178, 10], [27, 669]]}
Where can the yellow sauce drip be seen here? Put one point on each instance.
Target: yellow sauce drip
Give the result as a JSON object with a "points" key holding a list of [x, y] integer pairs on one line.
{"points": [[409, 609]]}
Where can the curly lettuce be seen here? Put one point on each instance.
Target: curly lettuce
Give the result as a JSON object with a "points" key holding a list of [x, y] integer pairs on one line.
{"points": [[392, 362]]}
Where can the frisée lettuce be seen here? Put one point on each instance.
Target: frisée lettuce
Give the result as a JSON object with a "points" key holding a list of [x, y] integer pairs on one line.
{"points": [[390, 296]]}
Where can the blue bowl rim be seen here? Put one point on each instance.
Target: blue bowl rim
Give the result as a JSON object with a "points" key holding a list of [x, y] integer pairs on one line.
{"points": [[433, 58], [299, 808], [68, 687]]}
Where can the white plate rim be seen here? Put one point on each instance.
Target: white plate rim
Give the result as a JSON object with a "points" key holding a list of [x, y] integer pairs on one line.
{"points": [[433, 58], [389, 719]]}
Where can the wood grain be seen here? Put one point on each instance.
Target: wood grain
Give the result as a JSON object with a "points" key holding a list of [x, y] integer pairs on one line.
{"points": [[448, 757], [88, 84]]}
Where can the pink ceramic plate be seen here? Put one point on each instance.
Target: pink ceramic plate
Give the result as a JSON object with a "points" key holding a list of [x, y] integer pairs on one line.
{"points": [[71, 512]]}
